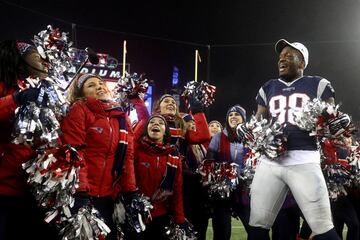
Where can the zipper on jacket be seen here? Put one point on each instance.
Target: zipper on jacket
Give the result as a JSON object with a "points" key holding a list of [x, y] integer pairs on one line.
{"points": [[157, 161], [106, 156]]}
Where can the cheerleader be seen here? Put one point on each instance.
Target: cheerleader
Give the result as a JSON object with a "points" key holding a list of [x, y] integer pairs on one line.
{"points": [[96, 121], [20, 218], [158, 171], [227, 147]]}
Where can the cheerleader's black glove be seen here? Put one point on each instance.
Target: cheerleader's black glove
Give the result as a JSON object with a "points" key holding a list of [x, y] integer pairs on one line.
{"points": [[188, 229], [82, 199], [128, 197], [195, 105], [25, 96], [137, 210]]}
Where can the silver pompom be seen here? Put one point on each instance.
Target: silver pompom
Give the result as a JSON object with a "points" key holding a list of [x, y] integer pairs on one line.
{"points": [[337, 179], [86, 224], [176, 232], [247, 174], [54, 46], [37, 122], [204, 92], [136, 213], [128, 87], [264, 137], [53, 176], [307, 117], [221, 178]]}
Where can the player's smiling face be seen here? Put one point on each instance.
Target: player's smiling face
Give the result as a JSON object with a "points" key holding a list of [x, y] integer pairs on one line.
{"points": [[291, 64]]}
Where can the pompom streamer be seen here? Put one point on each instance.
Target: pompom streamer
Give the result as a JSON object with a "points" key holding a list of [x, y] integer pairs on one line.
{"points": [[204, 92], [87, 224], [53, 176], [221, 178], [322, 119], [37, 122], [176, 232], [128, 87], [340, 174], [54, 46], [135, 214], [264, 137]]}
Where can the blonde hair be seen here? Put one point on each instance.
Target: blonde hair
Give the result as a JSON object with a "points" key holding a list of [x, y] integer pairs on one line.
{"points": [[75, 92]]}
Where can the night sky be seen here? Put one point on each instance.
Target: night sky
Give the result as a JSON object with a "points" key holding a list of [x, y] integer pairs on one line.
{"points": [[235, 39]]}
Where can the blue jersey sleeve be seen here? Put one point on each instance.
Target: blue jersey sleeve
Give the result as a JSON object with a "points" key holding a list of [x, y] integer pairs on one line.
{"points": [[261, 98], [328, 92]]}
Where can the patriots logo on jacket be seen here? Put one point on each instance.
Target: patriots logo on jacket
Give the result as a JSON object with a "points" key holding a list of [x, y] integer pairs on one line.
{"points": [[98, 129], [145, 164]]}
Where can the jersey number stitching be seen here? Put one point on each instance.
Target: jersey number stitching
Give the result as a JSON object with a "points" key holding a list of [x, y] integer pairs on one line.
{"points": [[283, 107]]}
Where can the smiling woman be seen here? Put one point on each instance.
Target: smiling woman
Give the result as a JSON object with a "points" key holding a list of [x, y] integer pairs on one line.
{"points": [[225, 146], [96, 88], [156, 129], [88, 86], [96, 121], [20, 217], [159, 176]]}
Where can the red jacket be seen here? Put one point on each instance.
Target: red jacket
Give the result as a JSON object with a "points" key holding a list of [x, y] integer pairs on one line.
{"points": [[89, 123], [12, 176], [150, 168]]}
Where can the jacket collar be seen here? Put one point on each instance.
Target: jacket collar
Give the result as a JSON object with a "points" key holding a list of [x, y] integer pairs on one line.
{"points": [[103, 108], [159, 148]]}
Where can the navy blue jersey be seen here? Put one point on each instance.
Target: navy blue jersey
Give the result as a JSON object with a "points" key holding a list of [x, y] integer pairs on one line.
{"points": [[282, 99]]}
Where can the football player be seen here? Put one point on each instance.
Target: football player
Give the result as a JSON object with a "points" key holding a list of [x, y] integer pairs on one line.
{"points": [[298, 169]]}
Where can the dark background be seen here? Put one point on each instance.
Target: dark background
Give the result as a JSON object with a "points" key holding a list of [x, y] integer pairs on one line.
{"points": [[235, 39]]}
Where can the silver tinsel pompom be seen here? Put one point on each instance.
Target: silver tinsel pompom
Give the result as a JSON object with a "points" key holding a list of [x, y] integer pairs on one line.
{"points": [[87, 224], [54, 46], [128, 87], [136, 214], [308, 117], [264, 137], [322, 119], [176, 232], [204, 92], [340, 174], [354, 158], [53, 176], [37, 122], [247, 174], [354, 165], [337, 178], [221, 178]]}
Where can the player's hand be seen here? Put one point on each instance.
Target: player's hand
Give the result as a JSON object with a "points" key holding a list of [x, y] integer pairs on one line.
{"points": [[244, 133], [339, 124]]}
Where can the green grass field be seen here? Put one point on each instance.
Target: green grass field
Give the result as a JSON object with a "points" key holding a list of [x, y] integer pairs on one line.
{"points": [[238, 231]]}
